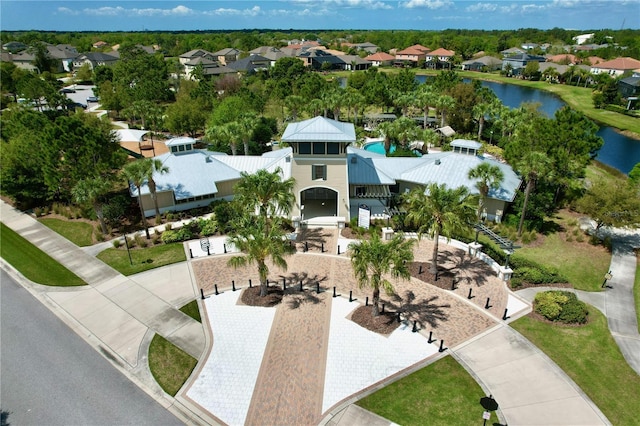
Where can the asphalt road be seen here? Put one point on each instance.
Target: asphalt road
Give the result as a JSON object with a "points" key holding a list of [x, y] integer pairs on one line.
{"points": [[50, 376]]}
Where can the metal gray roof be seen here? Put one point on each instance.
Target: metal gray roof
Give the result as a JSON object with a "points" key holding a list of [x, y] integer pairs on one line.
{"points": [[466, 143], [319, 129]]}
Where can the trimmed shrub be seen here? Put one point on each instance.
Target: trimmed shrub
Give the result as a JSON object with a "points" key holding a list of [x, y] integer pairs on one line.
{"points": [[170, 237], [207, 227], [561, 306], [140, 241], [168, 226], [117, 243]]}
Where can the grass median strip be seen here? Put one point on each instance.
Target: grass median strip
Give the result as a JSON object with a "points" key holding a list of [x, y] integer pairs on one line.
{"points": [[170, 365], [79, 233], [591, 357], [442, 393], [143, 259], [192, 310], [33, 263]]}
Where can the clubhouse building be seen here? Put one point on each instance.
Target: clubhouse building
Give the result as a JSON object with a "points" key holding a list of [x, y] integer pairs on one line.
{"points": [[333, 178]]}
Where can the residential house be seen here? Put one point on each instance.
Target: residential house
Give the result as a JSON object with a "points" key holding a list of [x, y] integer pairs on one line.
{"points": [[517, 63], [380, 59], [513, 51], [14, 46], [412, 55], [583, 38], [354, 63], [208, 66], [616, 67], [564, 59], [629, 87], [251, 64], [271, 53], [484, 63], [196, 53], [332, 178], [100, 44], [317, 58], [529, 45], [94, 59], [439, 58], [366, 46], [227, 55]]}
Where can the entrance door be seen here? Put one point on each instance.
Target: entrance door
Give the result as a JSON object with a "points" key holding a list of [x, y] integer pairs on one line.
{"points": [[319, 202]]}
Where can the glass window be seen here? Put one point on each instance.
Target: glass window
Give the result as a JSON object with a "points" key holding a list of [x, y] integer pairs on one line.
{"points": [[305, 147], [318, 148], [319, 172], [333, 148]]}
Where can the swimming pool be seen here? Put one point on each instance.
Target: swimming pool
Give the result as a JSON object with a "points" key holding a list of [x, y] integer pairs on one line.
{"points": [[378, 148]]}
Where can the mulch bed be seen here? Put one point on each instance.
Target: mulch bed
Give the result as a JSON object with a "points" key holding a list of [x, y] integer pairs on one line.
{"points": [[251, 296], [383, 324], [445, 278]]}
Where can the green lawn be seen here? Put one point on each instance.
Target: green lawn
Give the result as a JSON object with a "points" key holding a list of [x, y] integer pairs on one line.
{"points": [[442, 393], [591, 357], [583, 264], [143, 259], [192, 310], [79, 233], [170, 365], [32, 262]]}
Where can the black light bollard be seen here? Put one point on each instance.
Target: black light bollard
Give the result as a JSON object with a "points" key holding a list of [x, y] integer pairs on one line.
{"points": [[250, 283], [216, 287], [350, 295], [334, 292], [208, 251], [318, 288], [453, 285], [487, 305], [321, 247], [431, 339], [301, 289], [284, 285], [505, 316], [383, 308], [366, 301], [398, 317], [338, 248], [202, 294], [306, 246], [190, 253], [224, 246], [442, 348], [470, 296], [415, 326], [419, 269], [233, 285]]}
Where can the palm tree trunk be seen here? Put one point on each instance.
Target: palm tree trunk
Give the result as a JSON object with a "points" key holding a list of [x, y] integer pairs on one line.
{"points": [[387, 144], [264, 283], [434, 257], [376, 300], [234, 149], [246, 147], [527, 191], [144, 218], [480, 126]]}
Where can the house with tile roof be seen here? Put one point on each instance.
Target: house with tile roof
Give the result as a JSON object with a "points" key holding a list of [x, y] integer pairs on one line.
{"points": [[616, 67], [517, 63], [333, 178], [196, 53], [251, 64], [412, 54], [95, 59], [380, 59], [439, 58]]}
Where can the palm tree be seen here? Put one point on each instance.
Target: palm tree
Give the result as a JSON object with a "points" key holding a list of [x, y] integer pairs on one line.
{"points": [[488, 177], [480, 111], [439, 211], [259, 242], [444, 104], [91, 190], [387, 131], [533, 165], [136, 174], [425, 98], [246, 124], [406, 131], [294, 104], [374, 258], [154, 166], [266, 191]]}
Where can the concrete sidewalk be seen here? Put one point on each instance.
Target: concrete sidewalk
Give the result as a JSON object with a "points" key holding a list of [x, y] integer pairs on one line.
{"points": [[529, 387], [117, 315]]}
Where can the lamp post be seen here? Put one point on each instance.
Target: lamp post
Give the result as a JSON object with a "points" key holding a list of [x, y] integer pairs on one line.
{"points": [[490, 137]]}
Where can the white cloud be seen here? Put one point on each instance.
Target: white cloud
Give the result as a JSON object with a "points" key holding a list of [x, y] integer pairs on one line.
{"points": [[353, 4], [254, 11], [68, 11], [482, 7], [429, 4], [121, 11]]}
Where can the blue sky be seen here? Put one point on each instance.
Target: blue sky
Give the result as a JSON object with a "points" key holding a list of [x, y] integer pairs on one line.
{"points": [[96, 15]]}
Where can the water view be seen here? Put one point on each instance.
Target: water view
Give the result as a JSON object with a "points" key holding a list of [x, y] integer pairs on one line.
{"points": [[618, 151]]}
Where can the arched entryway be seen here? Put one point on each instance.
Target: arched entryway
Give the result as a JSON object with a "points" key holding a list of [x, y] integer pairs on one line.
{"points": [[318, 202]]}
